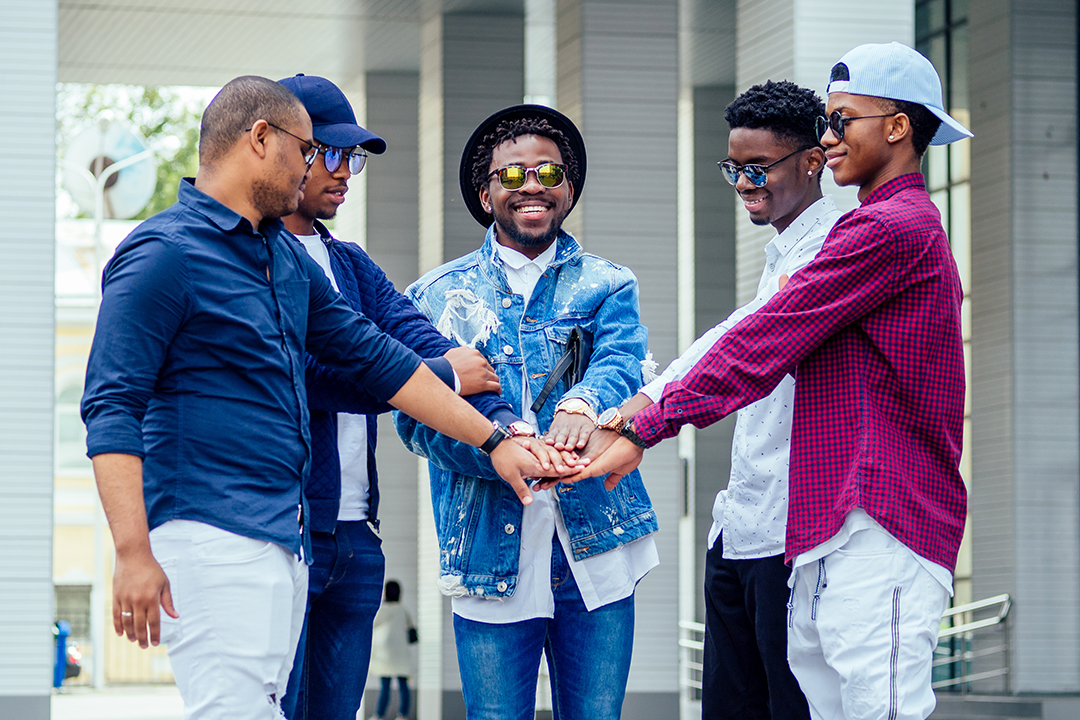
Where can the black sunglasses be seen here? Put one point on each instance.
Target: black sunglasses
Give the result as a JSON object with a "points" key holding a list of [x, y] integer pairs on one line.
{"points": [[309, 154], [756, 174], [836, 122], [514, 177], [332, 157]]}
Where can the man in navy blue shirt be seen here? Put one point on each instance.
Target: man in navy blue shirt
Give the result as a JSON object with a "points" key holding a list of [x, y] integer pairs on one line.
{"points": [[196, 411], [346, 575]]}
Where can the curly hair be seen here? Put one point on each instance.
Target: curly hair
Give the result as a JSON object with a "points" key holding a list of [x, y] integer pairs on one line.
{"points": [[783, 107], [924, 124], [512, 129]]}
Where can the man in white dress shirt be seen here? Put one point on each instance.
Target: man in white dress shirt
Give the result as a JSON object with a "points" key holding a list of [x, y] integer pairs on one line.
{"points": [[775, 163]]}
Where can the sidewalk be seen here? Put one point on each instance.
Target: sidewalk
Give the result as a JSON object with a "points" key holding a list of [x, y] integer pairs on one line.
{"points": [[136, 702]]}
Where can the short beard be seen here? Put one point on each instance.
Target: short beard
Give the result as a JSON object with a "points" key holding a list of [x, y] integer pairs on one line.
{"points": [[759, 221], [511, 231], [269, 201]]}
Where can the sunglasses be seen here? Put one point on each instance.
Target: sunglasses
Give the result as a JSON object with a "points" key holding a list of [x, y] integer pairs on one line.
{"points": [[332, 157], [309, 154], [514, 177], [836, 122], [756, 174]]}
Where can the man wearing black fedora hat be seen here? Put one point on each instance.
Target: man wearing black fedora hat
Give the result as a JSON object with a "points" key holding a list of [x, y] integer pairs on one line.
{"points": [[560, 326], [346, 577]]}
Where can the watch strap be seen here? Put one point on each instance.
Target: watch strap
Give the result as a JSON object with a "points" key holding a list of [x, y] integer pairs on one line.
{"points": [[630, 434], [500, 433]]}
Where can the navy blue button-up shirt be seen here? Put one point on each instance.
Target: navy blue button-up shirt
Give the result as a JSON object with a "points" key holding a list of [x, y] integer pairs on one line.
{"points": [[197, 365]]}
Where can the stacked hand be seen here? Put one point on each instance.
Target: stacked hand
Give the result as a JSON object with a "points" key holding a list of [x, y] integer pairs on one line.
{"points": [[523, 458]]}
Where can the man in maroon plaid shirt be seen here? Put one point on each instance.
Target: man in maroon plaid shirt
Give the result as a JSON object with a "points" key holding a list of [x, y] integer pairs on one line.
{"points": [[871, 327]]}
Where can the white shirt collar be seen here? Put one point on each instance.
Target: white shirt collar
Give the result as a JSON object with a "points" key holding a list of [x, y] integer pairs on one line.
{"points": [[517, 260], [803, 224]]}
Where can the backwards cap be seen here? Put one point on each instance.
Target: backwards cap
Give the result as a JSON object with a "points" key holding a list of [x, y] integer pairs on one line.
{"points": [[896, 72]]}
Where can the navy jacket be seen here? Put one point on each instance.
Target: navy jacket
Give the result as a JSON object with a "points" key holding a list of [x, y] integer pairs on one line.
{"points": [[366, 289]]}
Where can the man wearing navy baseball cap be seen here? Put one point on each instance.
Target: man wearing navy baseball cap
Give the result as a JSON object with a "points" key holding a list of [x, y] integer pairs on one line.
{"points": [[876, 503], [346, 578]]}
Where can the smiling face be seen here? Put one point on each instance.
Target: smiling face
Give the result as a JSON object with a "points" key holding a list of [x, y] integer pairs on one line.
{"points": [[527, 219], [792, 184], [866, 156]]}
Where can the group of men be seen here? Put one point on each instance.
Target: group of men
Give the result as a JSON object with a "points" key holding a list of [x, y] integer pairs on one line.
{"points": [[242, 353]]}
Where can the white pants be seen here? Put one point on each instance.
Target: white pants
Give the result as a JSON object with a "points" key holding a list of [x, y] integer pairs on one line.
{"points": [[241, 604], [862, 627]]}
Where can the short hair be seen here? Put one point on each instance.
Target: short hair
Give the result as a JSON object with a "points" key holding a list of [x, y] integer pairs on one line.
{"points": [[924, 124], [392, 591], [235, 109], [783, 107], [513, 129]]}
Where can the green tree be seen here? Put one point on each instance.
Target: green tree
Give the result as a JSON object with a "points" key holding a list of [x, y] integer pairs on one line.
{"points": [[168, 117]]}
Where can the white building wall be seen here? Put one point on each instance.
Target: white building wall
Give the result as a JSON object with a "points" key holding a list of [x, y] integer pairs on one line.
{"points": [[27, 122]]}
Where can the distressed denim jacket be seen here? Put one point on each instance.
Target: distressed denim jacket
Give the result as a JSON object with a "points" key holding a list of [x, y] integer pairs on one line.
{"points": [[477, 515]]}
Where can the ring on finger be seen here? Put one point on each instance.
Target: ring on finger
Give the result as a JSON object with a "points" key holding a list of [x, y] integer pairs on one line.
{"points": [[126, 614]]}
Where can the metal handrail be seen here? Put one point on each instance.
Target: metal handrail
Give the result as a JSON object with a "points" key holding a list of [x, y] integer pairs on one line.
{"points": [[965, 632]]}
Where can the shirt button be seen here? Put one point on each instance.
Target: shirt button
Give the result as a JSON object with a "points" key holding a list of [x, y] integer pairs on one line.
{"points": [[507, 350], [509, 529], [507, 302], [501, 587]]}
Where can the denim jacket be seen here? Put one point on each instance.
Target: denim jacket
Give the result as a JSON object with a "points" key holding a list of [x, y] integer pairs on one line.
{"points": [[477, 515]]}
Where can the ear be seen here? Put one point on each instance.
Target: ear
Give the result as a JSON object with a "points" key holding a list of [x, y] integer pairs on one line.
{"points": [[815, 160], [570, 192], [898, 128], [485, 198], [257, 137]]}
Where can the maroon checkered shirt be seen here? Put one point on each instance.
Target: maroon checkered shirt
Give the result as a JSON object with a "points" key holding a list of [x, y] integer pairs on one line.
{"points": [[871, 330]]}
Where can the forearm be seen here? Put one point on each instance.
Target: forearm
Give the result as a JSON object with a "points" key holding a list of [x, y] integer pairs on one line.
{"points": [[427, 399], [119, 482]]}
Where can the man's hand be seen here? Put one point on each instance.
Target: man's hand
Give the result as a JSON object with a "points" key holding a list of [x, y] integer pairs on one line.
{"points": [[514, 463], [569, 431], [473, 370], [620, 458], [139, 589], [599, 441]]}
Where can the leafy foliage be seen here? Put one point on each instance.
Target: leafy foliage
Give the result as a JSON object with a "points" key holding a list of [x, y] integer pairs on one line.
{"points": [[167, 117]]}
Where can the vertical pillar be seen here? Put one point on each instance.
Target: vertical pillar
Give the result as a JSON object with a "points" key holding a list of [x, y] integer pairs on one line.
{"points": [[1025, 505], [28, 81], [618, 79], [800, 40], [471, 64]]}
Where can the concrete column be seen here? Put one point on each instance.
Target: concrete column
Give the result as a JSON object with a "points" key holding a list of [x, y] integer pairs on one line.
{"points": [[618, 79], [471, 64], [1025, 508], [800, 41], [27, 242]]}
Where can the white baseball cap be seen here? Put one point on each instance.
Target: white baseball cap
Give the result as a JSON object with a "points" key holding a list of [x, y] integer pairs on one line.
{"points": [[896, 72]]}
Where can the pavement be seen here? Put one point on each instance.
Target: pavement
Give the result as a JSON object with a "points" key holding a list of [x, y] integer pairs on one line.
{"points": [[137, 702]]}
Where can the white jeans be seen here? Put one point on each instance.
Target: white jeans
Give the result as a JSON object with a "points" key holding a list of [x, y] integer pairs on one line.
{"points": [[862, 627], [241, 604]]}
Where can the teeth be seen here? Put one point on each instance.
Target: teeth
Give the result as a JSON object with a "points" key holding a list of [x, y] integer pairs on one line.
{"points": [[530, 208]]}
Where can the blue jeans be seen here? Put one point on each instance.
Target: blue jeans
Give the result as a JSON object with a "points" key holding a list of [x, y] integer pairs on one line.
{"points": [[588, 657], [344, 591], [384, 696]]}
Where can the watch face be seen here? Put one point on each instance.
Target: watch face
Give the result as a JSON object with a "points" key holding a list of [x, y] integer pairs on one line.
{"points": [[607, 416], [573, 405], [522, 428]]}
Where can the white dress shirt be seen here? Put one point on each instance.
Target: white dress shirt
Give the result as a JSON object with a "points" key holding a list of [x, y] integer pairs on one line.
{"points": [[601, 579], [752, 511]]}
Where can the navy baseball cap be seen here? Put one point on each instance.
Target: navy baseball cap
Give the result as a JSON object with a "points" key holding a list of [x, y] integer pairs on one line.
{"points": [[333, 121], [896, 72]]}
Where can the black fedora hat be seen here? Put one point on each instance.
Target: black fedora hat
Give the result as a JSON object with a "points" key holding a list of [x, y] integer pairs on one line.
{"points": [[555, 118]]}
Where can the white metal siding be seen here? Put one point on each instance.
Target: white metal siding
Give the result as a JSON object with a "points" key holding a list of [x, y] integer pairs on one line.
{"points": [[27, 119]]}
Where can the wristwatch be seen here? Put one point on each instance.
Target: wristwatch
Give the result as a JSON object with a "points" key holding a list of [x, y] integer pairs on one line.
{"points": [[520, 428], [611, 419], [630, 434], [576, 406], [497, 437]]}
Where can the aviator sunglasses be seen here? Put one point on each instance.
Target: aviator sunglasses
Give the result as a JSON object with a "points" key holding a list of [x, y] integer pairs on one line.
{"points": [[836, 122], [514, 177], [756, 174], [332, 157]]}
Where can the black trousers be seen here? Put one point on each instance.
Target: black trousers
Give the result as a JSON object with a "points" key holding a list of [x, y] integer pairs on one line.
{"points": [[746, 674]]}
